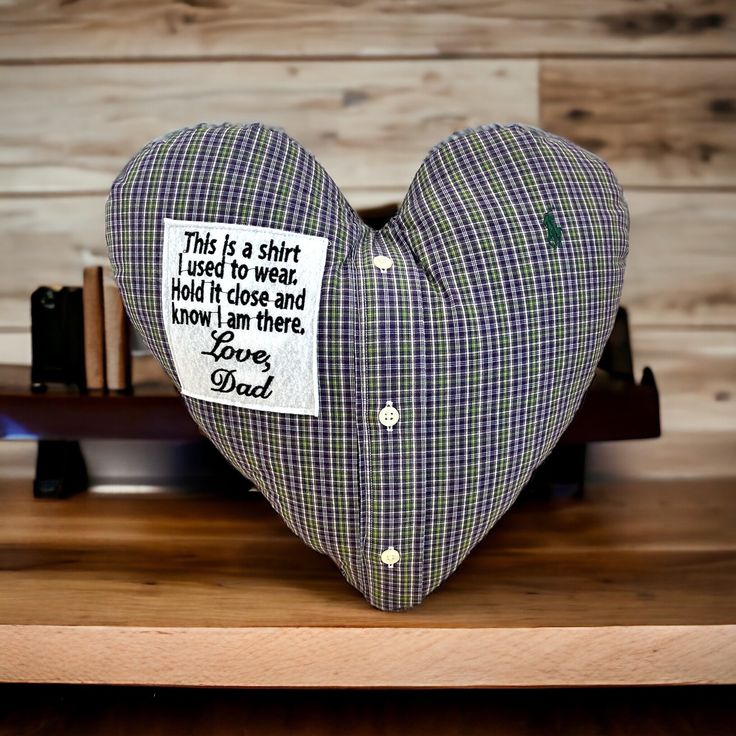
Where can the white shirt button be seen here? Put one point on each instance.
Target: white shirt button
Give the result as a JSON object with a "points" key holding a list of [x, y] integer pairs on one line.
{"points": [[390, 556], [383, 263], [389, 416]]}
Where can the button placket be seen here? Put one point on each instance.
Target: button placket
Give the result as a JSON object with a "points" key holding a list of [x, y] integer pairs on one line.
{"points": [[388, 415]]}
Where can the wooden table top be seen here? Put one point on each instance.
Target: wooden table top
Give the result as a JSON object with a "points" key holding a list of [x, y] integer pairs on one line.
{"points": [[614, 578]]}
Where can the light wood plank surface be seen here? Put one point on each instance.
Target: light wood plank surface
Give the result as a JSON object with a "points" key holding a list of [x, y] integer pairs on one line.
{"points": [[679, 271], [695, 371], [693, 454], [213, 589], [71, 128], [681, 268], [657, 122], [365, 28], [15, 346]]}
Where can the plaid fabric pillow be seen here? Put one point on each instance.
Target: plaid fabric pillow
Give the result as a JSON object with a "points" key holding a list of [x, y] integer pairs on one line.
{"points": [[446, 353]]}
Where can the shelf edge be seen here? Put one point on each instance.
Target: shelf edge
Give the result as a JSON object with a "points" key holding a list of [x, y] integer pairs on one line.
{"points": [[369, 657]]}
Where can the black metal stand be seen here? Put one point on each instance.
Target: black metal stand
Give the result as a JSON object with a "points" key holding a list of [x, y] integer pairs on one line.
{"points": [[561, 475], [60, 469]]}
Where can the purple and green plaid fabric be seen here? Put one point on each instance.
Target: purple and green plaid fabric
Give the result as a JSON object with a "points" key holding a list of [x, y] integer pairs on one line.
{"points": [[508, 257]]}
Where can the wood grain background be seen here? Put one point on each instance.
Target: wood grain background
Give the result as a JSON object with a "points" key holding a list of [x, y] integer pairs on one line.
{"points": [[369, 86]]}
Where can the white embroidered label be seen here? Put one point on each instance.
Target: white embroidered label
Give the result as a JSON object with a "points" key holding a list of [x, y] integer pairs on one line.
{"points": [[240, 307]]}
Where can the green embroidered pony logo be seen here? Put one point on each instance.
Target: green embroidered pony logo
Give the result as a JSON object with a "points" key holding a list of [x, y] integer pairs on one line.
{"points": [[554, 234]]}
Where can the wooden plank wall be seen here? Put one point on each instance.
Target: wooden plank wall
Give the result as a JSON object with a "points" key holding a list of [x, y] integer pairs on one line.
{"points": [[369, 86]]}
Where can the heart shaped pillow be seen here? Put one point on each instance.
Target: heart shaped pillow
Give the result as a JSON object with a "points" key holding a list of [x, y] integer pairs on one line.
{"points": [[389, 391]]}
